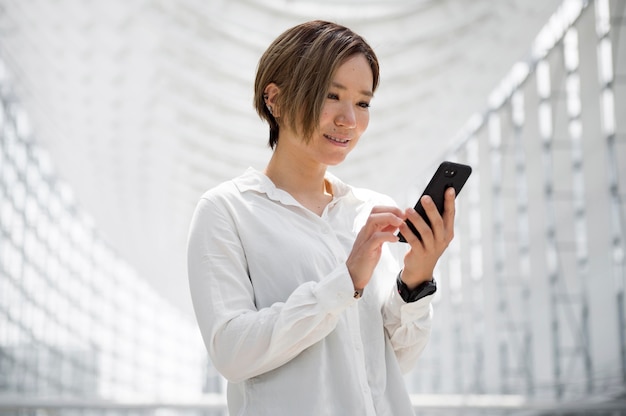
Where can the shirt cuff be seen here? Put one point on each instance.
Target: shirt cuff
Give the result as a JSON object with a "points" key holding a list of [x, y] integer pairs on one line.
{"points": [[335, 291], [410, 312]]}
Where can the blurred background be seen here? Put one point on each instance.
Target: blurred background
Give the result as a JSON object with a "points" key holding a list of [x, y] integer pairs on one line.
{"points": [[116, 116]]}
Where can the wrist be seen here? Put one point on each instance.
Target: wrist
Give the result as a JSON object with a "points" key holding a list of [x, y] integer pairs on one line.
{"points": [[410, 279], [423, 289]]}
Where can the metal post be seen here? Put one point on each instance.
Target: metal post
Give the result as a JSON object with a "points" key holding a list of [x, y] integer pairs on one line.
{"points": [[546, 131], [574, 105], [523, 238], [607, 108]]}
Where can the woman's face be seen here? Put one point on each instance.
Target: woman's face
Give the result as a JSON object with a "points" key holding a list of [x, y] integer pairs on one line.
{"points": [[344, 116]]}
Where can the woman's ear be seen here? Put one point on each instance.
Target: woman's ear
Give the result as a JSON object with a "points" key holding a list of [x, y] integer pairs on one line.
{"points": [[270, 96]]}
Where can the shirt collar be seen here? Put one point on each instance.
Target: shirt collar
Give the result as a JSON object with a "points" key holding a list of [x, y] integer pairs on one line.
{"points": [[256, 181]]}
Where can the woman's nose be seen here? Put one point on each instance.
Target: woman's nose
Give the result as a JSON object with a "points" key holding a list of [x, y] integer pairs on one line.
{"points": [[346, 117]]}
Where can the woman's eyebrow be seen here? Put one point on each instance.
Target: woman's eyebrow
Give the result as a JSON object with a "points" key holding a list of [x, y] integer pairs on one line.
{"points": [[343, 87]]}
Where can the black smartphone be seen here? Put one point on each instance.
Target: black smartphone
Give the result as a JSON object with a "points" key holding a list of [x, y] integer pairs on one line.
{"points": [[447, 175]]}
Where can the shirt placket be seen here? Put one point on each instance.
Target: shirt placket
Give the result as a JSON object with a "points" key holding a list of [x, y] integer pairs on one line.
{"points": [[359, 359], [356, 347]]}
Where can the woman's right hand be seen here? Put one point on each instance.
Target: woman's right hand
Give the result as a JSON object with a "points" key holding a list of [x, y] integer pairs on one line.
{"points": [[380, 228]]}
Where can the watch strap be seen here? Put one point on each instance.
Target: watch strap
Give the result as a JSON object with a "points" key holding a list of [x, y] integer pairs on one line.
{"points": [[422, 290]]}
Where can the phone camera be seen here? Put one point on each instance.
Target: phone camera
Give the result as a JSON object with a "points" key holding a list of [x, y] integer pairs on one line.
{"points": [[449, 173]]}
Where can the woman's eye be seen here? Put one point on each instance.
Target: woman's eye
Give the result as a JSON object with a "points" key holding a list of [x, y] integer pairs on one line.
{"points": [[362, 104]]}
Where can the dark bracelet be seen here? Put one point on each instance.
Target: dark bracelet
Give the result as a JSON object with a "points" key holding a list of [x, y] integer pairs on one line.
{"points": [[422, 290]]}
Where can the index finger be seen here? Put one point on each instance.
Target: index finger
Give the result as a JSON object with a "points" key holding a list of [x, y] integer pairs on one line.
{"points": [[383, 220], [379, 209]]}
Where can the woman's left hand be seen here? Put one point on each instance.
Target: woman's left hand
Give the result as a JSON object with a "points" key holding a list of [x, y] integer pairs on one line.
{"points": [[420, 260]]}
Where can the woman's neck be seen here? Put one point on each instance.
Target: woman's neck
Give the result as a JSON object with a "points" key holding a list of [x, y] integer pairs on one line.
{"points": [[305, 182]]}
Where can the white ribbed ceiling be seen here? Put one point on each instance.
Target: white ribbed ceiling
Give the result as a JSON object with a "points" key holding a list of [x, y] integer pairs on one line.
{"points": [[145, 104]]}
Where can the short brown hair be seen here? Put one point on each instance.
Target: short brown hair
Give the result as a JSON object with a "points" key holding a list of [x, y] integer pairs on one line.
{"points": [[301, 62]]}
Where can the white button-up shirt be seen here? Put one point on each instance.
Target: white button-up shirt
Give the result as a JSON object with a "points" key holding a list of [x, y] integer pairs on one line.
{"points": [[275, 305]]}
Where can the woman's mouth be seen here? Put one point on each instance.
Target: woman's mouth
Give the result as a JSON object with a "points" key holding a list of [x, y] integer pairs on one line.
{"points": [[337, 139]]}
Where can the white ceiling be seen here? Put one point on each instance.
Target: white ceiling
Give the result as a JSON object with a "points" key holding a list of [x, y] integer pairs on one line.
{"points": [[145, 104]]}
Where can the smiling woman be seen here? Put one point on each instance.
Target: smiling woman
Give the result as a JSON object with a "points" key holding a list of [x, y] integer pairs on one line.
{"points": [[294, 287], [302, 62], [343, 118]]}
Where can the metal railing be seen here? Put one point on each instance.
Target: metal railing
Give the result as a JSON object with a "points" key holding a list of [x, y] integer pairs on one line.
{"points": [[491, 404]]}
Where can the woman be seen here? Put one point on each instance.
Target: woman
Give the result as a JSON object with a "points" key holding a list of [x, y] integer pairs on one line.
{"points": [[301, 304]]}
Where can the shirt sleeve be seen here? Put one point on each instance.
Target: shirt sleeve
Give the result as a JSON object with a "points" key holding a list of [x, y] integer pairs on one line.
{"points": [[408, 327], [244, 341]]}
